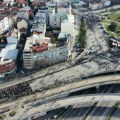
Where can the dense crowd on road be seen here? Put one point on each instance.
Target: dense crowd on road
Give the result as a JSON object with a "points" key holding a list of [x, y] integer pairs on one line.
{"points": [[15, 91], [91, 20]]}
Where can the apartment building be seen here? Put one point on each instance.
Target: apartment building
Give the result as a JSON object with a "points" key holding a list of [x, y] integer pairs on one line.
{"points": [[52, 15], [8, 55], [106, 2], [40, 52], [39, 26], [5, 24]]}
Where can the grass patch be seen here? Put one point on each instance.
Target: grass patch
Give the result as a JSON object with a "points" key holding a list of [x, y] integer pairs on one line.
{"points": [[113, 18]]}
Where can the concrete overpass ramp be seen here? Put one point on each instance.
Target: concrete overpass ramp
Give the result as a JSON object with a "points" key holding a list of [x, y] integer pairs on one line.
{"points": [[72, 101]]}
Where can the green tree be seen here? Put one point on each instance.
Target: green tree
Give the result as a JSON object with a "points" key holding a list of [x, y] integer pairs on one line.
{"points": [[112, 27], [82, 34]]}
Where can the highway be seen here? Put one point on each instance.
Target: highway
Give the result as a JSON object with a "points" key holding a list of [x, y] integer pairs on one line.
{"points": [[85, 102], [81, 108], [98, 112], [116, 115], [103, 109]]}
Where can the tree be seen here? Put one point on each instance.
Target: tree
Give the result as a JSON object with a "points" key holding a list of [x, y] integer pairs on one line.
{"points": [[112, 27], [12, 113], [82, 34]]}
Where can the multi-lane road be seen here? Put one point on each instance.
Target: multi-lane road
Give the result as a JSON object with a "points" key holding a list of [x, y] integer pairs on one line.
{"points": [[93, 111]]}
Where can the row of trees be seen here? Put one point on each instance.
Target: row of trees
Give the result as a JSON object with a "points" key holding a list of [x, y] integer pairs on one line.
{"points": [[82, 34]]}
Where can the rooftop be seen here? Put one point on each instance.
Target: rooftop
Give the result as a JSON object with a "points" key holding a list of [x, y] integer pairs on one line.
{"points": [[36, 44], [62, 36], [38, 47], [9, 52], [62, 16], [38, 26], [23, 15]]}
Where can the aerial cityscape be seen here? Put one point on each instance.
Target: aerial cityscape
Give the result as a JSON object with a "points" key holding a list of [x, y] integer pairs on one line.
{"points": [[59, 59]]}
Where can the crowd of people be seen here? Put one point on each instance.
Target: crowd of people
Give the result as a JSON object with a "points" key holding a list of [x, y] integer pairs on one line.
{"points": [[91, 20], [15, 91]]}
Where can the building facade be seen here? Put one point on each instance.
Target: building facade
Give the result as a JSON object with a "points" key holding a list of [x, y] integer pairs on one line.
{"points": [[5, 24], [8, 55], [36, 55]]}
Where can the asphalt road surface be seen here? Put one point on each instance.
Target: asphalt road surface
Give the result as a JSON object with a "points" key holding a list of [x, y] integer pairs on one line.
{"points": [[88, 112]]}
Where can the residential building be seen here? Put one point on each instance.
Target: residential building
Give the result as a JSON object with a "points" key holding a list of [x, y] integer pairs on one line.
{"points": [[8, 55], [36, 3], [23, 15], [67, 25], [5, 24], [43, 13], [40, 52], [39, 26], [9, 1], [106, 2], [59, 3], [22, 26], [56, 19], [93, 5]]}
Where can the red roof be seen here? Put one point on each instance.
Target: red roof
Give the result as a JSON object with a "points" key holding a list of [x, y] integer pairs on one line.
{"points": [[23, 30], [41, 48]]}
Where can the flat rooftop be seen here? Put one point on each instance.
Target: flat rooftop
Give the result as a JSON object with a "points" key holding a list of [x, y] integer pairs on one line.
{"points": [[38, 26], [9, 52], [36, 44]]}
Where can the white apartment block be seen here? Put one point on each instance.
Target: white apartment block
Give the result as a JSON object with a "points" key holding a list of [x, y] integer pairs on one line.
{"points": [[52, 15], [40, 52], [5, 24], [67, 25]]}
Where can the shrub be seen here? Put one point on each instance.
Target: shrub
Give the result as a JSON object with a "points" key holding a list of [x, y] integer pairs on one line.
{"points": [[2, 116], [12, 113]]}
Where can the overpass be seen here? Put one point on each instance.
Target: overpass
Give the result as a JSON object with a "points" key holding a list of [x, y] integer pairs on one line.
{"points": [[64, 91], [47, 100], [72, 101]]}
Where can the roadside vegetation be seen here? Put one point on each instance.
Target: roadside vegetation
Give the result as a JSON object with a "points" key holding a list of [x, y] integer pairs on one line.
{"points": [[12, 113], [2, 116], [82, 34], [112, 24]]}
